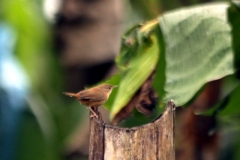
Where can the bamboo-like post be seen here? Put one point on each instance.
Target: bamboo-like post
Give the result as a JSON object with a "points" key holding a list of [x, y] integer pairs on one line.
{"points": [[153, 141]]}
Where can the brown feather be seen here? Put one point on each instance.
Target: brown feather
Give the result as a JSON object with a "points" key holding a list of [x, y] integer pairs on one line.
{"points": [[70, 94]]}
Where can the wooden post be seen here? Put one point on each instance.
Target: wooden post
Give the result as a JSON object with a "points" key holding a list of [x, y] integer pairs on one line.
{"points": [[153, 141]]}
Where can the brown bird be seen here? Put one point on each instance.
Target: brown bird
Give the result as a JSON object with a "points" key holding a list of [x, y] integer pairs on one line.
{"points": [[93, 97]]}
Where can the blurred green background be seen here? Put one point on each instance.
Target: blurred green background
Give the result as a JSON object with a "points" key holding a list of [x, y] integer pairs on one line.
{"points": [[46, 125]]}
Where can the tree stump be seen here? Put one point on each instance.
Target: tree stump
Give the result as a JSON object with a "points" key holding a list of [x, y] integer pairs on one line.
{"points": [[153, 141]]}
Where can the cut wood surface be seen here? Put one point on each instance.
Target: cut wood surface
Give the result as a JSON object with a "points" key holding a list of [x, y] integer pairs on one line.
{"points": [[153, 141]]}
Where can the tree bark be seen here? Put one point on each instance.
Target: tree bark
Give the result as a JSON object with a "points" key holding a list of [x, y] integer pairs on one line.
{"points": [[153, 141]]}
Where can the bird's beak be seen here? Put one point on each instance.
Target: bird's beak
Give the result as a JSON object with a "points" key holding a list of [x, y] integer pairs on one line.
{"points": [[115, 86]]}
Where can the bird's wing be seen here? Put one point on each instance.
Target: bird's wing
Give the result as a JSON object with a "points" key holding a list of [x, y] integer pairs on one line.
{"points": [[86, 95]]}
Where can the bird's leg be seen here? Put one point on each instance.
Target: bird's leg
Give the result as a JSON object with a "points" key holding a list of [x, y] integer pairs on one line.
{"points": [[94, 113]]}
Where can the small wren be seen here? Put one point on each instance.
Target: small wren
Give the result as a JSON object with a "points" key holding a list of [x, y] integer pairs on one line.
{"points": [[93, 97]]}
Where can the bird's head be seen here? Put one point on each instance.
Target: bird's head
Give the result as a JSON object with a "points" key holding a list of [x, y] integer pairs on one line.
{"points": [[107, 88]]}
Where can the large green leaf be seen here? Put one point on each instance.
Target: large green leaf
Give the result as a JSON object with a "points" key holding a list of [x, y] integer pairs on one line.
{"points": [[197, 49], [230, 104], [234, 19], [142, 62], [196, 43]]}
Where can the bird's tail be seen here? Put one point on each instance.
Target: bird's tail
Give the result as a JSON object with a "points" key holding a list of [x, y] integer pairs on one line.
{"points": [[70, 94]]}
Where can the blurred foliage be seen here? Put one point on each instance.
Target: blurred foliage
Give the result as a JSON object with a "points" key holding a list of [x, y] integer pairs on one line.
{"points": [[149, 9], [47, 122], [230, 104], [187, 35], [33, 36], [233, 16]]}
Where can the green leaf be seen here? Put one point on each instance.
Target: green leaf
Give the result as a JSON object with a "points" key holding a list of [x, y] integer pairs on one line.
{"points": [[197, 49], [234, 19], [231, 103], [228, 106], [196, 42], [137, 70]]}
